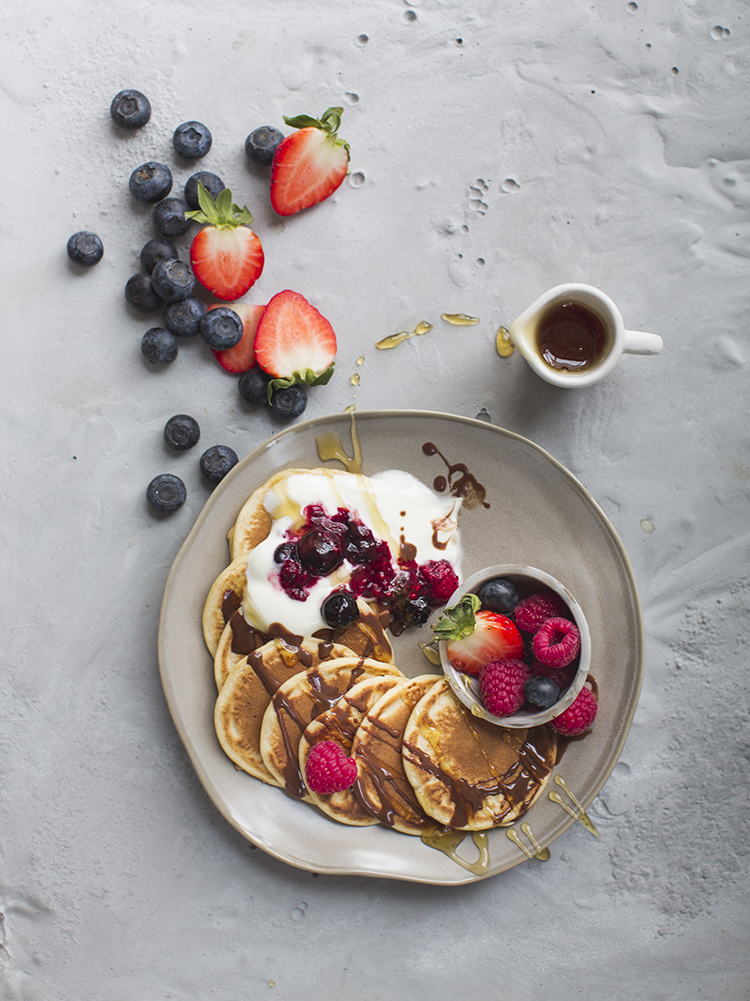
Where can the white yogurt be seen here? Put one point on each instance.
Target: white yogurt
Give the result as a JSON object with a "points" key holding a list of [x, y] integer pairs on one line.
{"points": [[396, 506]]}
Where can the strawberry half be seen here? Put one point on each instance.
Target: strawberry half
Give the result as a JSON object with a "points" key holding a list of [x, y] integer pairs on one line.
{"points": [[309, 165], [226, 256], [294, 342], [477, 638], [241, 357]]}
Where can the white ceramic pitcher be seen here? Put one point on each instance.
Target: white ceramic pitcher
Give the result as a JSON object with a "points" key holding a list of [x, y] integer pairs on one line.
{"points": [[524, 332]]}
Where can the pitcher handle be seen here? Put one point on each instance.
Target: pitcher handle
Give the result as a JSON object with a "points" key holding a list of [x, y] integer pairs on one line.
{"points": [[638, 342]]}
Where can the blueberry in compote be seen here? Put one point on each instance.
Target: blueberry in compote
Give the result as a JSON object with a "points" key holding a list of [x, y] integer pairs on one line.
{"points": [[361, 545], [415, 611], [339, 609], [286, 551], [319, 552]]}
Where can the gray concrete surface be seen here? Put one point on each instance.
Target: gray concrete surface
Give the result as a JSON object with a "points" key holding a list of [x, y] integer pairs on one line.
{"points": [[497, 149]]}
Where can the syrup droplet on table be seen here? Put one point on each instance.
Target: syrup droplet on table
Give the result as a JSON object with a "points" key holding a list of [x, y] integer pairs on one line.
{"points": [[503, 344], [460, 319], [393, 340], [355, 379]]}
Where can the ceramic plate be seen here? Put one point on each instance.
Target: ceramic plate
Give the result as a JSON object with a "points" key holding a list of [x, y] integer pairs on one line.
{"points": [[537, 514]]}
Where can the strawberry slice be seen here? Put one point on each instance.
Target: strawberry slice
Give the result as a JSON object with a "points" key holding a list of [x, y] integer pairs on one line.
{"points": [[294, 342], [226, 256], [477, 638], [309, 165], [241, 357]]}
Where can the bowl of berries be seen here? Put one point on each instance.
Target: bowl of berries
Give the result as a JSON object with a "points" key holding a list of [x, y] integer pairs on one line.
{"points": [[514, 645]]}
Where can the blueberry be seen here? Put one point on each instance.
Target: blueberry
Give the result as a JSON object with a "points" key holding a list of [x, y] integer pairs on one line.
{"points": [[216, 462], [130, 109], [415, 611], [221, 328], [498, 595], [285, 551], [182, 318], [173, 280], [141, 294], [210, 182], [181, 432], [150, 182], [159, 346], [253, 386], [319, 552], [155, 250], [261, 145], [541, 691], [169, 217], [339, 609], [85, 249], [166, 493], [191, 140], [288, 403]]}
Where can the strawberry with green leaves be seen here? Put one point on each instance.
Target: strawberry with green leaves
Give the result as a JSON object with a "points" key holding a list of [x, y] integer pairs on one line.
{"points": [[310, 164], [475, 638], [294, 343], [226, 256]]}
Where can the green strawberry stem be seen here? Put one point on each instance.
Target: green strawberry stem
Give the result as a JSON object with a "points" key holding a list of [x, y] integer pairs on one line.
{"points": [[458, 621], [328, 122], [221, 212], [307, 377]]}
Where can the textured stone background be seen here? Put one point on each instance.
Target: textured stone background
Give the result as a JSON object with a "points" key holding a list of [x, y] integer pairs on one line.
{"points": [[497, 150]]}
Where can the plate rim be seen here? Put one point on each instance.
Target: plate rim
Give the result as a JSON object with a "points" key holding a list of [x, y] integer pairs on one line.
{"points": [[218, 800]]}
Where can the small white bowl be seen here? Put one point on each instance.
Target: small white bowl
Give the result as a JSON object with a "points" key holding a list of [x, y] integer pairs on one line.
{"points": [[466, 687]]}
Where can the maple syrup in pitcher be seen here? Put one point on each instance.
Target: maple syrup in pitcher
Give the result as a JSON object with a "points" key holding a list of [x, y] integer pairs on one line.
{"points": [[571, 337]]}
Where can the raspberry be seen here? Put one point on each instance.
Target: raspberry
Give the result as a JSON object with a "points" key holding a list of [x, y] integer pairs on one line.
{"points": [[557, 642], [533, 612], [501, 685], [577, 717], [328, 769], [440, 579]]}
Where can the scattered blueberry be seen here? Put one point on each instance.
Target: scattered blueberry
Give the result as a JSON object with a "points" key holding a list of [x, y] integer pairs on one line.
{"points": [[150, 182], [166, 493], [216, 462], [159, 346], [141, 294], [173, 280], [541, 691], [85, 249], [288, 403], [157, 250], [261, 145], [498, 595], [221, 328], [181, 432], [191, 140], [210, 182], [182, 318], [130, 109], [253, 386], [169, 217], [339, 609]]}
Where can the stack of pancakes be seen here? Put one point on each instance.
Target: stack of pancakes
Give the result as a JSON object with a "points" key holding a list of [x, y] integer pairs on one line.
{"points": [[423, 761]]}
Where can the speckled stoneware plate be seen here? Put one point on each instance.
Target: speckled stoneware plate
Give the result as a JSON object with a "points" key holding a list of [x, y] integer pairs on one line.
{"points": [[538, 515]]}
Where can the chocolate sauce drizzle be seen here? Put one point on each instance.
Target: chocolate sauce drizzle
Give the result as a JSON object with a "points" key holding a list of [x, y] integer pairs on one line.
{"points": [[461, 482]]}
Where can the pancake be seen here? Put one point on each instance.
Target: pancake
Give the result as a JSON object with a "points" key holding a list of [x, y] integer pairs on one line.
{"points": [[253, 523], [296, 703], [246, 694], [237, 641], [224, 598], [340, 724], [382, 786], [467, 773]]}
